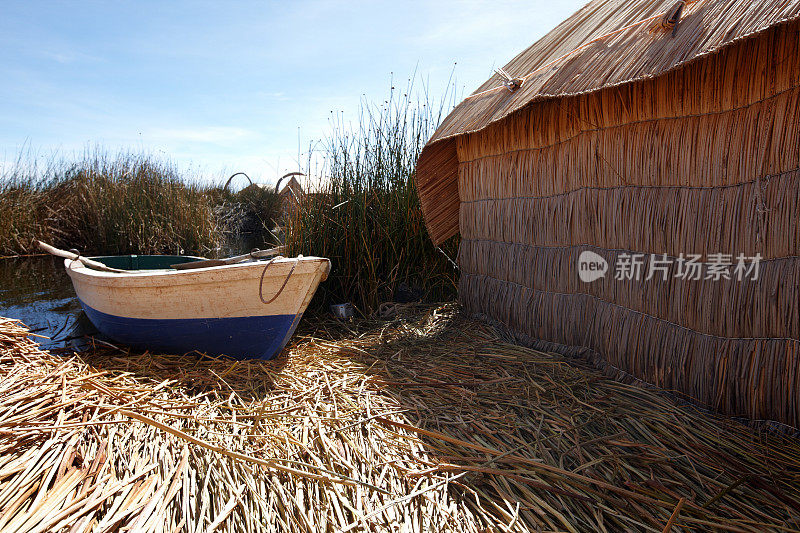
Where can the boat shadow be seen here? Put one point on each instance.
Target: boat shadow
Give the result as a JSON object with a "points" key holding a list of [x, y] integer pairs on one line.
{"points": [[195, 373]]}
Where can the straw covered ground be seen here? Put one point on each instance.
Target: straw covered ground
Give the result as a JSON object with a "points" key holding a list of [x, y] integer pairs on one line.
{"points": [[430, 421]]}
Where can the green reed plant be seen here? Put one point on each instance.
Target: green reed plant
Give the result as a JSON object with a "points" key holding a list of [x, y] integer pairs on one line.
{"points": [[365, 215], [105, 204], [22, 197], [19, 204]]}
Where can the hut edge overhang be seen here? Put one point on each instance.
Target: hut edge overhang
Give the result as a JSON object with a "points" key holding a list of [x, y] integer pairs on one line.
{"points": [[607, 43]]}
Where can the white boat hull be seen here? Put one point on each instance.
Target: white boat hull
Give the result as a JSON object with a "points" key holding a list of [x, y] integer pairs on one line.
{"points": [[229, 309]]}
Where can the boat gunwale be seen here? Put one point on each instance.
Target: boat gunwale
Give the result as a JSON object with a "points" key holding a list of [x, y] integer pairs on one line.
{"points": [[198, 275]]}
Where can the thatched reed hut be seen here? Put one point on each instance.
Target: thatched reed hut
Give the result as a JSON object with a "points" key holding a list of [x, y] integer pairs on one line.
{"points": [[291, 196], [636, 128]]}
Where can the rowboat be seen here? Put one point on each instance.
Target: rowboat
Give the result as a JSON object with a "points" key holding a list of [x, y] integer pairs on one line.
{"points": [[245, 310]]}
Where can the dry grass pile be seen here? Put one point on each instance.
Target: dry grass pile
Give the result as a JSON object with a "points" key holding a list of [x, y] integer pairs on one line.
{"points": [[428, 422]]}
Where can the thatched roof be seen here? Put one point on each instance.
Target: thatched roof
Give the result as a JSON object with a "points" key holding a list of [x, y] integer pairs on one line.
{"points": [[292, 189], [605, 44]]}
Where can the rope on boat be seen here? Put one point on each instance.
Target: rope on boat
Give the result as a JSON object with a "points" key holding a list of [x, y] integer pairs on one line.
{"points": [[77, 258], [263, 273]]}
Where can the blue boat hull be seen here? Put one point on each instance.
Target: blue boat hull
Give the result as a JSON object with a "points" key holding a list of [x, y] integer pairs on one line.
{"points": [[256, 337]]}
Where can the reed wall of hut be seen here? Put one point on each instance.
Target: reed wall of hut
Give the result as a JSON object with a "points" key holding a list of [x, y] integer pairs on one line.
{"points": [[702, 159]]}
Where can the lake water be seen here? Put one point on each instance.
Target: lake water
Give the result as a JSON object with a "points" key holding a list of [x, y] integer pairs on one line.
{"points": [[38, 291]]}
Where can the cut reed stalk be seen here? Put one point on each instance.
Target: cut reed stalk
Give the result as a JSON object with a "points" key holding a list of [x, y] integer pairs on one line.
{"points": [[459, 429]]}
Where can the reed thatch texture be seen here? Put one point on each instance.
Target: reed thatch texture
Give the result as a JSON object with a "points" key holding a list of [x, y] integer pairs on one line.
{"points": [[433, 422], [700, 157], [610, 43]]}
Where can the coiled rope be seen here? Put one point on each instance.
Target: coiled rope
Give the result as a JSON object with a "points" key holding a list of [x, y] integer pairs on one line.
{"points": [[264, 272], [78, 258]]}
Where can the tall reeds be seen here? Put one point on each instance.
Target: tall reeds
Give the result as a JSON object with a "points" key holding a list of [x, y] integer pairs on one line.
{"points": [[133, 204], [127, 203], [365, 215], [105, 204]]}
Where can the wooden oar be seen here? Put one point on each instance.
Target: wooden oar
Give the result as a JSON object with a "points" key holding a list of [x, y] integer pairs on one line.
{"points": [[75, 257], [255, 254]]}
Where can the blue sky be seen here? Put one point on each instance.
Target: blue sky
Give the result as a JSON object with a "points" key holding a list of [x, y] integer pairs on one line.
{"points": [[235, 86]]}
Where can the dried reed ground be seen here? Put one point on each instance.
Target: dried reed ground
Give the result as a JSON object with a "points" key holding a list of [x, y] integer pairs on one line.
{"points": [[432, 422]]}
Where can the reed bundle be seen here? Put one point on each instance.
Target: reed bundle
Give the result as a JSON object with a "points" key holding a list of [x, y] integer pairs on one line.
{"points": [[427, 422]]}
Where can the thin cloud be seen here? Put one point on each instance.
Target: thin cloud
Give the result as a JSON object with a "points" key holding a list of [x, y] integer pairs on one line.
{"points": [[69, 57], [278, 96], [208, 134]]}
